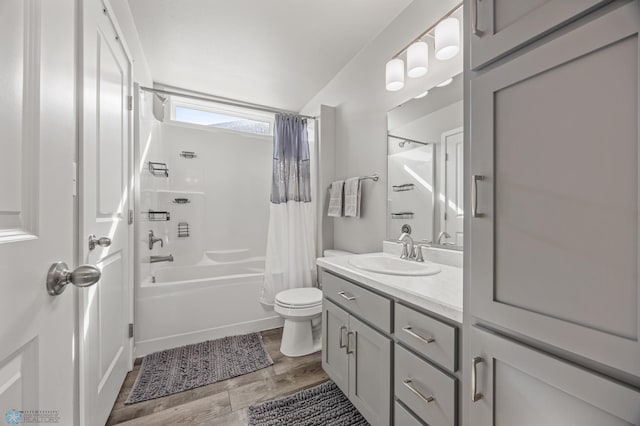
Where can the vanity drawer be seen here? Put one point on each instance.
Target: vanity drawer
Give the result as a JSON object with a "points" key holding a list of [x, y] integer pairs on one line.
{"points": [[428, 336], [427, 391], [371, 307], [402, 417]]}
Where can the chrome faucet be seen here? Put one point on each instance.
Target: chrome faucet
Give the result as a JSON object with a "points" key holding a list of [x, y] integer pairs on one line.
{"points": [[153, 240], [441, 235], [156, 259], [408, 249], [419, 247]]}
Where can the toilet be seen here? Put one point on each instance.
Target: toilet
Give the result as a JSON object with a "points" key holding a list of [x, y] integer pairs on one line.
{"points": [[301, 309]]}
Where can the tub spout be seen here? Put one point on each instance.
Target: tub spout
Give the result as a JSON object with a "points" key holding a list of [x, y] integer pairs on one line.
{"points": [[156, 259]]}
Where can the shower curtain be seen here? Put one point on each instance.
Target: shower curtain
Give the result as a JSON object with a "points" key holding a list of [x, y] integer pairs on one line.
{"points": [[291, 258]]}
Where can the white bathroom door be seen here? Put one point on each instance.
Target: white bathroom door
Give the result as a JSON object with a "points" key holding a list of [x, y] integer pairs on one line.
{"points": [[453, 185], [105, 150], [37, 143]]}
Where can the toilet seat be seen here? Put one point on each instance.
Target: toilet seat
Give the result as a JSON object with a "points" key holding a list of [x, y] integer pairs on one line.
{"points": [[299, 298]]}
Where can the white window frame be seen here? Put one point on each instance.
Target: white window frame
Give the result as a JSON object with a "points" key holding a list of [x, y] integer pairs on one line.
{"points": [[217, 108]]}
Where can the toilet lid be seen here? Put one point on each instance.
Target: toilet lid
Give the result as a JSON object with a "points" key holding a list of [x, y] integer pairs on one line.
{"points": [[299, 297]]}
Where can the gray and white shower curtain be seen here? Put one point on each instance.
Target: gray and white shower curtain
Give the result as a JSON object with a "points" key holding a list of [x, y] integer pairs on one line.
{"points": [[291, 259]]}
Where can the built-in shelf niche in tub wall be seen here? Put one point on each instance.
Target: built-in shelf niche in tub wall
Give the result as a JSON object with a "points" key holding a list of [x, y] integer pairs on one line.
{"points": [[186, 207]]}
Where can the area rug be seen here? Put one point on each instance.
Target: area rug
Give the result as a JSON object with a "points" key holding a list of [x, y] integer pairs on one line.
{"points": [[179, 369], [322, 405]]}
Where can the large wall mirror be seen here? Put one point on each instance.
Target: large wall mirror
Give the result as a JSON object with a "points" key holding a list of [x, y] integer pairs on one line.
{"points": [[425, 167]]}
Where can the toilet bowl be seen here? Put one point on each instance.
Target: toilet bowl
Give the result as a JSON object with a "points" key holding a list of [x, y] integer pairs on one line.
{"points": [[301, 309]]}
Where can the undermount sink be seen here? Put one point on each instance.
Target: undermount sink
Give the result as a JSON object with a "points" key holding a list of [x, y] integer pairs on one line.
{"points": [[394, 266]]}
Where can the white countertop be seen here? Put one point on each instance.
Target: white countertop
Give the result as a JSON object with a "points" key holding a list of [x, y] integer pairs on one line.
{"points": [[440, 293]]}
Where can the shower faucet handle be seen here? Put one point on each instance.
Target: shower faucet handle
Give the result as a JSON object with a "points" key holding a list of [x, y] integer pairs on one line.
{"points": [[153, 239]]}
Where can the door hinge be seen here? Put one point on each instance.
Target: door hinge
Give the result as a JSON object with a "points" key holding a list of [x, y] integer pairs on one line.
{"points": [[445, 216], [130, 103], [130, 330], [130, 217], [446, 157]]}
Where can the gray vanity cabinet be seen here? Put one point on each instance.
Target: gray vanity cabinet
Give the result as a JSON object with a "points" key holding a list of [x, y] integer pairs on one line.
{"points": [[358, 360], [370, 388], [517, 385], [335, 362], [554, 168], [500, 26]]}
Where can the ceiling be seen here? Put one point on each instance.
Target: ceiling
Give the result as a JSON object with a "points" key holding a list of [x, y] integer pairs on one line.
{"points": [[278, 53]]}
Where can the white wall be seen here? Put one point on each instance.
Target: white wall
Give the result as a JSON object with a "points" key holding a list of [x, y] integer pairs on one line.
{"points": [[361, 102], [124, 18]]}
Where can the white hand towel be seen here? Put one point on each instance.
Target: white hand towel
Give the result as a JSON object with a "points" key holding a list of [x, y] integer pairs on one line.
{"points": [[352, 197], [335, 199]]}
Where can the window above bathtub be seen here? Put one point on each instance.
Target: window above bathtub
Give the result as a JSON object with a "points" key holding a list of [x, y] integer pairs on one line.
{"points": [[219, 116]]}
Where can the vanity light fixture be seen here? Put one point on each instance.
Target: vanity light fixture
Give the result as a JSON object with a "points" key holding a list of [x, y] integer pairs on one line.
{"points": [[447, 45], [395, 74], [417, 59], [447, 39], [421, 95], [445, 83]]}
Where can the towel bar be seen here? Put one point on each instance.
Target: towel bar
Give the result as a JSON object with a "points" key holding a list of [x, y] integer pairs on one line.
{"points": [[374, 177]]}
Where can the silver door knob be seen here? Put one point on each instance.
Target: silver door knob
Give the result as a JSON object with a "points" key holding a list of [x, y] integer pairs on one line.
{"points": [[95, 241], [59, 276]]}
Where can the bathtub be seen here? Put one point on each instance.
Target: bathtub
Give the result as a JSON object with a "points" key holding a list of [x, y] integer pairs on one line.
{"points": [[184, 304], [210, 273]]}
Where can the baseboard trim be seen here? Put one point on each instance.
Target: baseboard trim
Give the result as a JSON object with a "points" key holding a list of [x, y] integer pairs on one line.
{"points": [[145, 347]]}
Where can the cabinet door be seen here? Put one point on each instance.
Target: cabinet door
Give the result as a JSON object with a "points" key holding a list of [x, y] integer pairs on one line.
{"points": [[501, 26], [370, 388], [335, 362], [555, 142], [524, 387]]}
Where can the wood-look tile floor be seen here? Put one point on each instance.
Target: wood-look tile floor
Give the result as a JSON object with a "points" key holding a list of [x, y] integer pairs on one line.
{"points": [[225, 402]]}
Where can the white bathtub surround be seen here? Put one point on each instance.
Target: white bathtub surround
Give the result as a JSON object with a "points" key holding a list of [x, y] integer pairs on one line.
{"points": [[290, 258], [211, 290], [440, 293]]}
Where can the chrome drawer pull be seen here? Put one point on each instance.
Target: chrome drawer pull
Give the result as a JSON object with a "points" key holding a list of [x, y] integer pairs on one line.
{"points": [[349, 334], [347, 295], [474, 22], [409, 384], [342, 328], [475, 396], [410, 332], [474, 195]]}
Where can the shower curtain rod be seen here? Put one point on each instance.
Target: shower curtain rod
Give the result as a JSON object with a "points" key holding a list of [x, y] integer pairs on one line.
{"points": [[223, 101], [407, 139]]}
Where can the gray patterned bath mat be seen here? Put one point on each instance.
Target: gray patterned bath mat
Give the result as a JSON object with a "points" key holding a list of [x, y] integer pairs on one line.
{"points": [[322, 405], [179, 369]]}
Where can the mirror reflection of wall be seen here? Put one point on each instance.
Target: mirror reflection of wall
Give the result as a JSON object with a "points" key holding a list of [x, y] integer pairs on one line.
{"points": [[425, 167]]}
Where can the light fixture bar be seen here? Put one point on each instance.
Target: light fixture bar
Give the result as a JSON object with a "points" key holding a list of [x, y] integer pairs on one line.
{"points": [[428, 30]]}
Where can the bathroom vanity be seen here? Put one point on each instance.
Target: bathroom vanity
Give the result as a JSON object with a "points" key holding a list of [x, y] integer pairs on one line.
{"points": [[391, 343]]}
